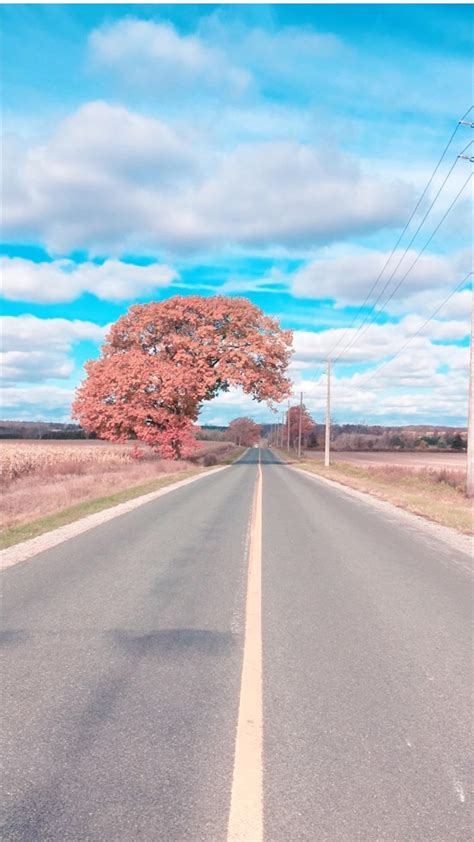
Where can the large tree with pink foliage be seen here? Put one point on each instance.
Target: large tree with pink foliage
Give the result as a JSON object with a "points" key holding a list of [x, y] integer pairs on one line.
{"points": [[161, 361]]}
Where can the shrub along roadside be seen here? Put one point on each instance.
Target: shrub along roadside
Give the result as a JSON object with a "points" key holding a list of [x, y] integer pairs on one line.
{"points": [[224, 455]]}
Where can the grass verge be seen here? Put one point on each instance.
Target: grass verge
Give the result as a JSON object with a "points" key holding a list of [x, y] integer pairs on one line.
{"points": [[22, 532], [437, 495]]}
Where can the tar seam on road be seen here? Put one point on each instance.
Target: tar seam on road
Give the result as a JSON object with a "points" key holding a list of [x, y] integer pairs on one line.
{"points": [[246, 804]]}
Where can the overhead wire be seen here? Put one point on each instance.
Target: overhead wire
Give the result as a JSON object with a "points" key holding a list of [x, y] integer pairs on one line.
{"points": [[391, 276], [402, 234], [379, 368], [365, 325], [460, 122], [360, 330]]}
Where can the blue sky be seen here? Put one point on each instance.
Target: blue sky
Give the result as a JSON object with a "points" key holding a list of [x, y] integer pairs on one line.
{"points": [[274, 152]]}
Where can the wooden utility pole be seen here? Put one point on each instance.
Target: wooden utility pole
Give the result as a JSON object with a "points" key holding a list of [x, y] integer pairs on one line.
{"points": [[299, 425], [470, 417], [288, 428], [327, 442]]}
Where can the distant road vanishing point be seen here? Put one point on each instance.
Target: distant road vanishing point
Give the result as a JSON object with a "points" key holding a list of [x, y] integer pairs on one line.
{"points": [[254, 656]]}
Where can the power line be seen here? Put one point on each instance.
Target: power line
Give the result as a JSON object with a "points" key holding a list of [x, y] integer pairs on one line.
{"points": [[387, 282], [364, 325], [460, 122], [423, 194], [417, 332]]}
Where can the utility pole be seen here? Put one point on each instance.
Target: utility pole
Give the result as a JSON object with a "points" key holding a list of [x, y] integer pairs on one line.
{"points": [[288, 428], [299, 425], [327, 442], [470, 419]]}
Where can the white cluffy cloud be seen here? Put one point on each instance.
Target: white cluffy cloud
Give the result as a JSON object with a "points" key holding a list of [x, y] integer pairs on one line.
{"points": [[64, 280], [31, 333], [402, 400], [109, 180], [348, 278], [144, 53], [37, 402], [424, 380], [36, 350], [380, 341]]}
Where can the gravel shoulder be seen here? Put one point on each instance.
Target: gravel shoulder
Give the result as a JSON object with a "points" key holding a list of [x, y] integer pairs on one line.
{"points": [[434, 532]]}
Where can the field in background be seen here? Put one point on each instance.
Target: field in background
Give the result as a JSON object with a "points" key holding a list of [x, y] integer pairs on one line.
{"points": [[412, 459], [40, 478]]}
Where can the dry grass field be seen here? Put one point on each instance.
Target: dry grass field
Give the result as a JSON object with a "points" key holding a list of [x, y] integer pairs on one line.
{"points": [[40, 478], [417, 459]]}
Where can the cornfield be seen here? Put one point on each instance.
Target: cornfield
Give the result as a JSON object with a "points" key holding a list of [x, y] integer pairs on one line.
{"points": [[39, 478], [27, 459]]}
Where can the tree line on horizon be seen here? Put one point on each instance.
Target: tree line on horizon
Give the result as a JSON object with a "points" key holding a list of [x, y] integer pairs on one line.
{"points": [[343, 436], [350, 437]]}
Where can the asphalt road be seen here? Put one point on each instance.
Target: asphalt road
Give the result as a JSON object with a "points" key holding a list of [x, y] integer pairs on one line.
{"points": [[122, 661]]}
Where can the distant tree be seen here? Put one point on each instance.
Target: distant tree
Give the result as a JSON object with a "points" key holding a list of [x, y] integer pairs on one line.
{"points": [[244, 431], [397, 442], [457, 442], [307, 424], [431, 441], [161, 361], [313, 439]]}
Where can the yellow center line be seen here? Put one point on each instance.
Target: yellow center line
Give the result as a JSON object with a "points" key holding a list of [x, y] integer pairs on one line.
{"points": [[246, 805]]}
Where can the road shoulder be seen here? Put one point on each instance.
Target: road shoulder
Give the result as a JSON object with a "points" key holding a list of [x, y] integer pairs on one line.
{"points": [[433, 532], [33, 546]]}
